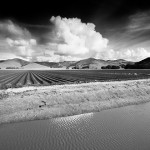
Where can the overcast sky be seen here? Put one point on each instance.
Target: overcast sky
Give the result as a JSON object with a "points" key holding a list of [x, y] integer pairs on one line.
{"points": [[74, 30]]}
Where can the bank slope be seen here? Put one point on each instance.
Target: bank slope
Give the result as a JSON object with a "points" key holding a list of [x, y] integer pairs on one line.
{"points": [[32, 103]]}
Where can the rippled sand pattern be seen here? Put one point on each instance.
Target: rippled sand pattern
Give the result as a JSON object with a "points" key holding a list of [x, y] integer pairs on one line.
{"points": [[118, 129]]}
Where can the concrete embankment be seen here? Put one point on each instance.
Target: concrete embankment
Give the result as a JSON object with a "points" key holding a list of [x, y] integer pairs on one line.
{"points": [[30, 103]]}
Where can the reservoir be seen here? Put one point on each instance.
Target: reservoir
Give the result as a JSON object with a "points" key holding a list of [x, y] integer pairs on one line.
{"points": [[126, 128]]}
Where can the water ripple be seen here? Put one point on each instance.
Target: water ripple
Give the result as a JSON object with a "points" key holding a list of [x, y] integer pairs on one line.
{"points": [[117, 129]]}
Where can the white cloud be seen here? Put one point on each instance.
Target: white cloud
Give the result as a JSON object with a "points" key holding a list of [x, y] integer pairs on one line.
{"points": [[135, 54], [16, 40], [21, 42], [51, 57], [4, 56], [32, 41], [79, 39], [22, 47]]}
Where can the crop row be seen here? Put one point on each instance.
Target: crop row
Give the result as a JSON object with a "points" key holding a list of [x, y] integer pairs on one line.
{"points": [[19, 78]]}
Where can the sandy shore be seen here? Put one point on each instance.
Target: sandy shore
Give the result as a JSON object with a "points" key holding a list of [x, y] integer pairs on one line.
{"points": [[30, 103]]}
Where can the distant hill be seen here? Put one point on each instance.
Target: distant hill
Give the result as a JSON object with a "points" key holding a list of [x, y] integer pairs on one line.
{"points": [[49, 64], [13, 63], [64, 64], [92, 63], [34, 66], [118, 61], [143, 64]]}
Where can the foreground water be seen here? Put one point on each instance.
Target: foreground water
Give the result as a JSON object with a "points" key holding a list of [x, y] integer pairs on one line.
{"points": [[125, 128]]}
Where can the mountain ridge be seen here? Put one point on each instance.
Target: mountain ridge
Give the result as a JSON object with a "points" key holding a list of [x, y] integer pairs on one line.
{"points": [[89, 63]]}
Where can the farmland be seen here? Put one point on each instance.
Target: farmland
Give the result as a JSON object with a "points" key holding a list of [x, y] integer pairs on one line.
{"points": [[20, 78]]}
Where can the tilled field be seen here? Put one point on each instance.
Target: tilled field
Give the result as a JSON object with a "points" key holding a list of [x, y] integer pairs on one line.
{"points": [[20, 78]]}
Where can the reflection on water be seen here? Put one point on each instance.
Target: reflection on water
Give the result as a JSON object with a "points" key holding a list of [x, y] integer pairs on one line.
{"points": [[117, 129]]}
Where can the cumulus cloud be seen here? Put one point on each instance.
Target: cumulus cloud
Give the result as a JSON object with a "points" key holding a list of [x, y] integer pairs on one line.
{"points": [[136, 54], [16, 40], [79, 39], [21, 42], [52, 57], [21, 47], [69, 39]]}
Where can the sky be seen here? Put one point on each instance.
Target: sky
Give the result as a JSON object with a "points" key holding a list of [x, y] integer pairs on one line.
{"points": [[75, 30]]}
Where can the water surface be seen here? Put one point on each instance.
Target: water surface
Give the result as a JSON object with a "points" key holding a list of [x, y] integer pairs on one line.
{"points": [[125, 128]]}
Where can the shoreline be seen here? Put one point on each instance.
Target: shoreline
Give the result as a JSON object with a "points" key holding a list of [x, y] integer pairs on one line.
{"points": [[34, 103]]}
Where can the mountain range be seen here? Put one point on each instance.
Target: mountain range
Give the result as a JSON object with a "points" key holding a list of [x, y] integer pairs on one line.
{"points": [[90, 63]]}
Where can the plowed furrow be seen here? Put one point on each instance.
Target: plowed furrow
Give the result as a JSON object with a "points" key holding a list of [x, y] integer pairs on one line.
{"points": [[9, 79], [61, 79], [28, 80], [22, 80], [46, 80], [15, 81], [34, 80], [7, 75], [37, 78]]}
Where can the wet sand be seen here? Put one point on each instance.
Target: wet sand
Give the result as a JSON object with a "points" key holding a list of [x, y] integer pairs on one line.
{"points": [[32, 103]]}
